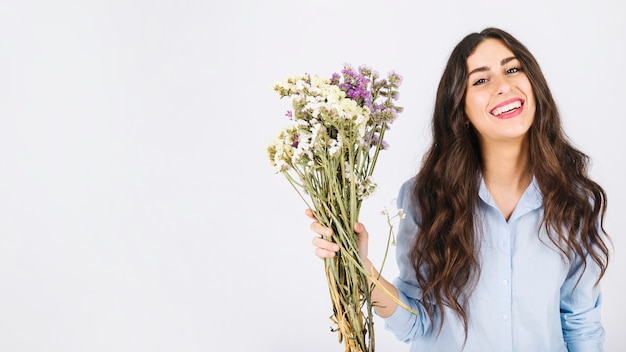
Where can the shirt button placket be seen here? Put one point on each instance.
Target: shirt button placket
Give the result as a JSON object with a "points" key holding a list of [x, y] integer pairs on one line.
{"points": [[506, 289]]}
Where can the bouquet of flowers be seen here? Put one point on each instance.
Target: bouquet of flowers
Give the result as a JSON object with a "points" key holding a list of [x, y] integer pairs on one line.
{"points": [[328, 153]]}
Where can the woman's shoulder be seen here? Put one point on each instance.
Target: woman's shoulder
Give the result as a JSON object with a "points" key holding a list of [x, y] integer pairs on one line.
{"points": [[405, 196], [406, 188], [408, 184]]}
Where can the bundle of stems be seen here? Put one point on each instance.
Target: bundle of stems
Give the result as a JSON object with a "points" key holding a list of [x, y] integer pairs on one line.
{"points": [[337, 206]]}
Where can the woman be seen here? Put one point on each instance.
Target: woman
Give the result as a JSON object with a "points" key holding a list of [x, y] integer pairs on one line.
{"points": [[502, 247]]}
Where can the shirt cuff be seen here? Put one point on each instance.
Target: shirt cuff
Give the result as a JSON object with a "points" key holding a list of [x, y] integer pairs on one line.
{"points": [[401, 320]]}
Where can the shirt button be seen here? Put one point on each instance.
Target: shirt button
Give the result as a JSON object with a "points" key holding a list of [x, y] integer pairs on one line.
{"points": [[505, 282], [505, 317]]}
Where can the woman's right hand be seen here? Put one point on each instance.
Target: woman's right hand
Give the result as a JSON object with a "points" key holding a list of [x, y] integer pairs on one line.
{"points": [[327, 249]]}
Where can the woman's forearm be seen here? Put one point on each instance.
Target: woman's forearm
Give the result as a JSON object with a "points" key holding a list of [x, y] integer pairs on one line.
{"points": [[382, 303]]}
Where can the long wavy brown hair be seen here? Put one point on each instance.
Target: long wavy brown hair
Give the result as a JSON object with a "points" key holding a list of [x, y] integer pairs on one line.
{"points": [[445, 252]]}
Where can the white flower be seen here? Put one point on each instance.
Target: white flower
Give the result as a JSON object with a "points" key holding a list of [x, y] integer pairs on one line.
{"points": [[315, 90], [349, 109], [280, 165], [301, 123], [366, 188], [300, 85], [319, 82], [281, 150], [335, 146], [316, 127], [302, 151], [333, 94]]}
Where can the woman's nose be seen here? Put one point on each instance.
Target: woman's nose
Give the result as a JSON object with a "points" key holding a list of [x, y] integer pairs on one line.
{"points": [[502, 85]]}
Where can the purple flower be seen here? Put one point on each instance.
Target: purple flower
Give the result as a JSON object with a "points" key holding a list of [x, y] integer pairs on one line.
{"points": [[363, 84], [289, 114], [373, 140], [395, 79], [355, 84], [348, 71]]}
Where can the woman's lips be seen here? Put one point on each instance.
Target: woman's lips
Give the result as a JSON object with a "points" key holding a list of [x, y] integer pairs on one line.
{"points": [[508, 109]]}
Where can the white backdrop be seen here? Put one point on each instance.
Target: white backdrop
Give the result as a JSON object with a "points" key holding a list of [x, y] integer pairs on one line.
{"points": [[138, 211]]}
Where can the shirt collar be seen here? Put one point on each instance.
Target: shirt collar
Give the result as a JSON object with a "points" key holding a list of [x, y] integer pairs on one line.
{"points": [[531, 198]]}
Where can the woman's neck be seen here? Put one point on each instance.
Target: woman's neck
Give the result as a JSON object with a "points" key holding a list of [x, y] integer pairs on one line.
{"points": [[507, 174]]}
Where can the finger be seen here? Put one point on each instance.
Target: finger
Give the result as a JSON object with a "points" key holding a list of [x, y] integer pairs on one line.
{"points": [[363, 239], [324, 249], [322, 253], [321, 229], [324, 245], [360, 229], [308, 212]]}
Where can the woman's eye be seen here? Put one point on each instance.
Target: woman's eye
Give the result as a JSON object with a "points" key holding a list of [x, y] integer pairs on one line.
{"points": [[513, 70], [479, 82]]}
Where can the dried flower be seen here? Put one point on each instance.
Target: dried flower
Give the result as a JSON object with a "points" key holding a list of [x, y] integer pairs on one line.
{"points": [[328, 153]]}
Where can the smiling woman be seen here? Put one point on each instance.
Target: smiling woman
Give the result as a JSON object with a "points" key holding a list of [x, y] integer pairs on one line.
{"points": [[499, 100], [503, 245]]}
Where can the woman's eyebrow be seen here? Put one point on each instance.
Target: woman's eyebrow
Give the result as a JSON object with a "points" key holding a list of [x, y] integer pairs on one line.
{"points": [[507, 60], [486, 68]]}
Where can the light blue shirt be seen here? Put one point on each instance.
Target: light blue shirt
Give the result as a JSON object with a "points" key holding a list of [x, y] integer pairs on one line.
{"points": [[524, 301]]}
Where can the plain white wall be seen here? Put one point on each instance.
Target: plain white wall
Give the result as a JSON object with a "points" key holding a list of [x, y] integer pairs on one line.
{"points": [[138, 211]]}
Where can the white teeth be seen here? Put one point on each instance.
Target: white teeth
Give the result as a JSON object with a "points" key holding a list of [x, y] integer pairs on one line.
{"points": [[506, 108]]}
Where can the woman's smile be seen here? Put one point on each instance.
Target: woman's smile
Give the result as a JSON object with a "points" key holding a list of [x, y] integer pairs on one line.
{"points": [[508, 109]]}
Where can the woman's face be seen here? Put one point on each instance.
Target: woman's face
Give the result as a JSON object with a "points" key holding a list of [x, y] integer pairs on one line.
{"points": [[499, 99]]}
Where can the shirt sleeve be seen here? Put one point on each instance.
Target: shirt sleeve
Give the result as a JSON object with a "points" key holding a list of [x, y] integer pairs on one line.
{"points": [[580, 309]]}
